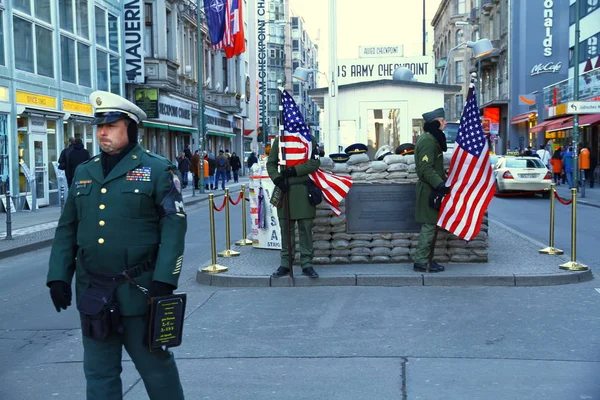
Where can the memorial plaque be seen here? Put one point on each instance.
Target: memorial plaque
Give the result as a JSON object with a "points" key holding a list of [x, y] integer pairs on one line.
{"points": [[381, 208], [166, 321]]}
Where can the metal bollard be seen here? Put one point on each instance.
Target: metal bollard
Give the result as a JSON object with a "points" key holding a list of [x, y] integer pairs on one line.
{"points": [[243, 241], [8, 217], [228, 252], [214, 268], [551, 249], [573, 265]]}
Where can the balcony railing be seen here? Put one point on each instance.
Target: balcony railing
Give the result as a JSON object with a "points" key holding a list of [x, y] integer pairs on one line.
{"points": [[562, 92]]}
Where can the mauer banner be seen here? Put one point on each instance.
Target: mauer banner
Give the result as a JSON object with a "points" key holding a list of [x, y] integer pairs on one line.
{"points": [[133, 18], [356, 70]]}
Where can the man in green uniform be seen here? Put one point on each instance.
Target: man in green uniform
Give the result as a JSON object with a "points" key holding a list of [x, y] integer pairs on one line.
{"points": [[293, 183], [429, 160], [124, 212]]}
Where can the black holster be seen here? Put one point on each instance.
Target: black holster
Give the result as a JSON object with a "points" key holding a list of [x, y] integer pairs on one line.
{"points": [[98, 305]]}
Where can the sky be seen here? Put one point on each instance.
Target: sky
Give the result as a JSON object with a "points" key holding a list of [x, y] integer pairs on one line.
{"points": [[366, 23]]}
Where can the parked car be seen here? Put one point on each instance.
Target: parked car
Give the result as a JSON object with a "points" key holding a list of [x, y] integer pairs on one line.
{"points": [[522, 174]]}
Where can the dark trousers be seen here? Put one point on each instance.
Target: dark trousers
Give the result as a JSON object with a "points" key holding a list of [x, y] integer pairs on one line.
{"points": [[557, 178], [102, 365], [305, 239], [235, 175], [196, 181]]}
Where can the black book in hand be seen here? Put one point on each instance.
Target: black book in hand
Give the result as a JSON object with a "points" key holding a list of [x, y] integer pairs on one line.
{"points": [[165, 326]]}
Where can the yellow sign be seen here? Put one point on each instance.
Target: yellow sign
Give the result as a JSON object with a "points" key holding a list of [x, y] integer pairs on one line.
{"points": [[77, 107], [3, 93], [550, 135], [38, 100]]}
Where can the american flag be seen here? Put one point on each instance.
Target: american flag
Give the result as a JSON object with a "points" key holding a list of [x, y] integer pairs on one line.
{"points": [[296, 148], [471, 177]]}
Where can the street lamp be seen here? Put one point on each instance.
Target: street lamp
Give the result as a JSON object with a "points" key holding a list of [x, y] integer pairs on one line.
{"points": [[481, 48]]}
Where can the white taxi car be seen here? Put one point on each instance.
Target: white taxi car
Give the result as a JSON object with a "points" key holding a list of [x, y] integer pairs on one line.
{"points": [[522, 174]]}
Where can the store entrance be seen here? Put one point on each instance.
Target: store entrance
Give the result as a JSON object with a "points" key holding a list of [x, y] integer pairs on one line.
{"points": [[39, 167]]}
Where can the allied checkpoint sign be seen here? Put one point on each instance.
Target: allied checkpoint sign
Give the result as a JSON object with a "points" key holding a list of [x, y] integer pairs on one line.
{"points": [[267, 236], [355, 70]]}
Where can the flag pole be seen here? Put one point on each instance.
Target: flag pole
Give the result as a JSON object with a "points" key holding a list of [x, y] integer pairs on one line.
{"points": [[291, 252]]}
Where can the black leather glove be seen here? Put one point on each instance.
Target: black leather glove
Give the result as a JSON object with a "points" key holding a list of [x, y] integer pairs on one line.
{"points": [[158, 289], [280, 183], [61, 294], [289, 172], [443, 189]]}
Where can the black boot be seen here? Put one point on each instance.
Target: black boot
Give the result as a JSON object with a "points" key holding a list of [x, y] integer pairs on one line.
{"points": [[281, 271], [310, 272], [422, 267]]}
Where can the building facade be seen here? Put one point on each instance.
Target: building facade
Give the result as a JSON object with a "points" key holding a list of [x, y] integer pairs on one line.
{"points": [[54, 54]]}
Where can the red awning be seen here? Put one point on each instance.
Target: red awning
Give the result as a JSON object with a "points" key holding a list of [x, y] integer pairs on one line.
{"points": [[521, 118], [559, 124], [541, 126], [584, 120]]}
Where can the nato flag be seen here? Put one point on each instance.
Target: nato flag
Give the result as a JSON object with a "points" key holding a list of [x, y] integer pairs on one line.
{"points": [[215, 14]]}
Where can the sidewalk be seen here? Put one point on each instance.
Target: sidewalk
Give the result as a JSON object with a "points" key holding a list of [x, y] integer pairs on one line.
{"points": [[35, 230], [505, 267], [592, 196]]}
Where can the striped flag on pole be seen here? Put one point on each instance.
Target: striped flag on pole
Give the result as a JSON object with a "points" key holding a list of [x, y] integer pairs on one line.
{"points": [[471, 176], [296, 148]]}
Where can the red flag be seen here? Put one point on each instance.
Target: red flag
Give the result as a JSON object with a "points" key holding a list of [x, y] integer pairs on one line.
{"points": [[296, 148], [471, 176], [238, 45]]}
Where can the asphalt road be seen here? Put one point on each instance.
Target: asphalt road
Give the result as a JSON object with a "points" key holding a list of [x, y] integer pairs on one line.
{"points": [[331, 342], [531, 216]]}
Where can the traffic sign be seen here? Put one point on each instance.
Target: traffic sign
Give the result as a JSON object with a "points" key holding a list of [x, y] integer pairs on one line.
{"points": [[583, 107]]}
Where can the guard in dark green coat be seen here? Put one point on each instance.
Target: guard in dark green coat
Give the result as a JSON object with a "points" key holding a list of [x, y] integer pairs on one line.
{"points": [[429, 160], [293, 183], [124, 212]]}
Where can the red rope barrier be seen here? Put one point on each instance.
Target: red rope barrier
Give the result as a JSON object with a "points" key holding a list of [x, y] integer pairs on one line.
{"points": [[235, 203], [565, 202], [222, 205]]}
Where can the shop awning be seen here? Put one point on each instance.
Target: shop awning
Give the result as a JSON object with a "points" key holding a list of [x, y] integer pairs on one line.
{"points": [[157, 125], [224, 134], [182, 128], [559, 124], [541, 126], [589, 119], [522, 118]]}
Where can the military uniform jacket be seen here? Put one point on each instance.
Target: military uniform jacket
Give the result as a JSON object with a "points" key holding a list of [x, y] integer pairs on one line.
{"points": [[115, 223], [429, 161], [300, 206]]}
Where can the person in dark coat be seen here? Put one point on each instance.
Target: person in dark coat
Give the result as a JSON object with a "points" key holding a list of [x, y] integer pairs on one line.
{"points": [[212, 168], [235, 164], [62, 159], [195, 167], [252, 160], [429, 163], [183, 165], [76, 156], [188, 151]]}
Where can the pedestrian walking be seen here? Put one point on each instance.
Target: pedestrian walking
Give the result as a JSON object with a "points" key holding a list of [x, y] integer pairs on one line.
{"points": [[222, 168], [188, 151], [544, 155], [293, 182], [183, 165], [62, 159], [212, 170], [195, 167], [235, 163], [123, 222], [228, 155], [568, 166], [431, 186], [252, 160], [76, 156], [556, 162]]}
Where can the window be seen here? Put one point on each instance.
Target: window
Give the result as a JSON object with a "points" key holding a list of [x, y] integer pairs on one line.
{"points": [[66, 15], [459, 69], [42, 10], [23, 36], [102, 60], [170, 41], [83, 65], [295, 44], [67, 54], [115, 74], [459, 37], [459, 105], [113, 32], [296, 89], [100, 27], [81, 17], [2, 60], [22, 5], [585, 7], [461, 7], [148, 43]]}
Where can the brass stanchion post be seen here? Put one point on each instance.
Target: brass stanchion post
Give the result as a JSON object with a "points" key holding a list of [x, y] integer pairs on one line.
{"points": [[573, 265], [214, 268], [243, 241], [551, 249], [228, 252]]}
